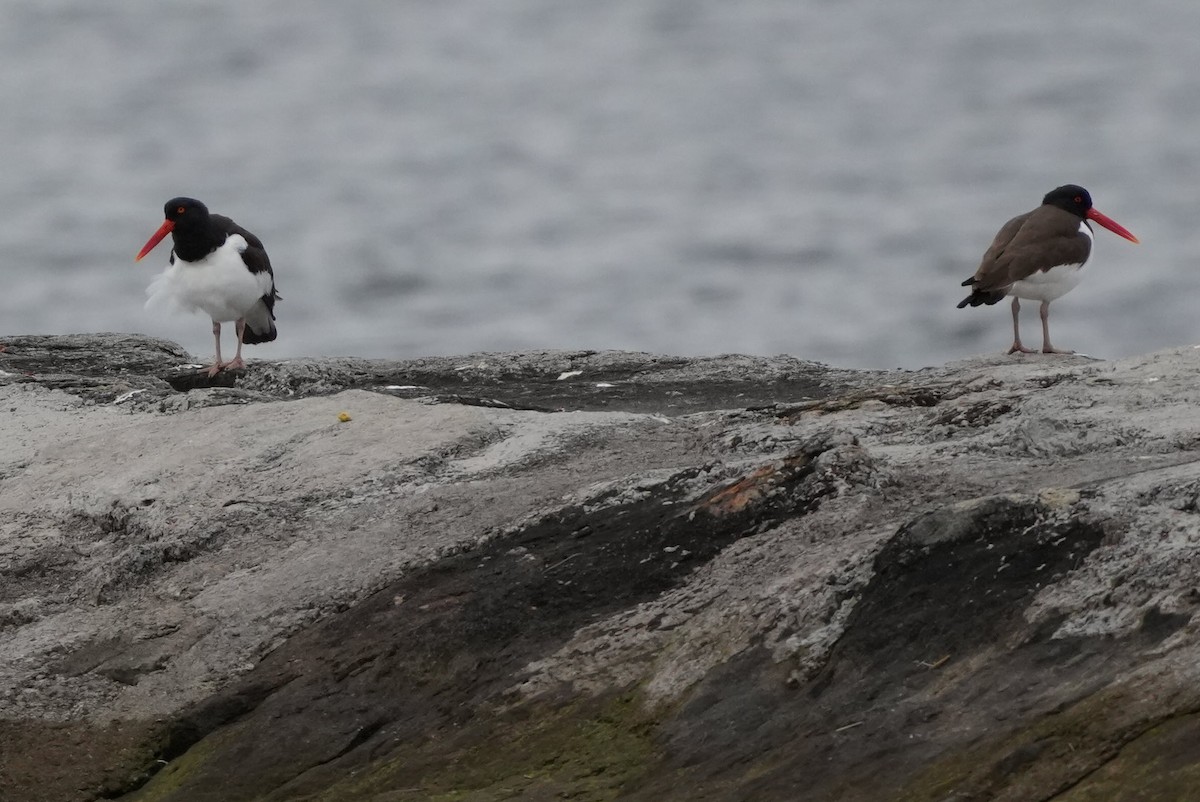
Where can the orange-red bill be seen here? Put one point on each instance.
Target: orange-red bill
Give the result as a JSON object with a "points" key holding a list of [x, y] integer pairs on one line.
{"points": [[165, 229], [1111, 225]]}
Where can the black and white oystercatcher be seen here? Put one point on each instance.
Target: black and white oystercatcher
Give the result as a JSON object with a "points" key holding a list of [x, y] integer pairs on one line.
{"points": [[1040, 256], [217, 267]]}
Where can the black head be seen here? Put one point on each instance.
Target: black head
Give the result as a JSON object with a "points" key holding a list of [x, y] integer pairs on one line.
{"points": [[180, 209], [188, 224], [1069, 197]]}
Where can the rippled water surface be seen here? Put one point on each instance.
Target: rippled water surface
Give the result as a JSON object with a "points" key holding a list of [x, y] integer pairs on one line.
{"points": [[682, 176]]}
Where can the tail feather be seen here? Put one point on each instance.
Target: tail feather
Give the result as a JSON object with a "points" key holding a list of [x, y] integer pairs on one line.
{"points": [[252, 337], [981, 297], [260, 324]]}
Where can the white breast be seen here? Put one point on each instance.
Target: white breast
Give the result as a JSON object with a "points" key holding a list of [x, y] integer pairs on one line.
{"points": [[1048, 285], [1053, 283], [219, 284]]}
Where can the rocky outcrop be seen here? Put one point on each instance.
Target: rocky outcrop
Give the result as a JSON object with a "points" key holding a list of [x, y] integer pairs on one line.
{"points": [[596, 576]]}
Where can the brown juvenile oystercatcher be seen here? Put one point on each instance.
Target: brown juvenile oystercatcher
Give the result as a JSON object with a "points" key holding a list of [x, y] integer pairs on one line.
{"points": [[1040, 256], [217, 267]]}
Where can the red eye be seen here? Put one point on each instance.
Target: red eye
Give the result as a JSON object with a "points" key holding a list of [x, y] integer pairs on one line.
{"points": [[1078, 199], [180, 209]]}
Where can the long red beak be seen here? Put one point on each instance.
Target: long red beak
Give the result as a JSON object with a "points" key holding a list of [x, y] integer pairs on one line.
{"points": [[167, 225], [1102, 219]]}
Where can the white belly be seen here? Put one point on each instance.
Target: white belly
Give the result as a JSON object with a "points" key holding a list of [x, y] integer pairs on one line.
{"points": [[1048, 285], [219, 284]]}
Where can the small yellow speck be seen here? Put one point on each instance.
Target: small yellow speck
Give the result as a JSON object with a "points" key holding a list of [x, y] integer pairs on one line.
{"points": [[344, 417]]}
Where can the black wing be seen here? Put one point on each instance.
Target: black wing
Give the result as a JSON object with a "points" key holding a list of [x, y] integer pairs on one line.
{"points": [[255, 257]]}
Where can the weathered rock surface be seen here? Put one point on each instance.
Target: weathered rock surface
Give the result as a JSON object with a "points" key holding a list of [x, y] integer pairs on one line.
{"points": [[596, 575]]}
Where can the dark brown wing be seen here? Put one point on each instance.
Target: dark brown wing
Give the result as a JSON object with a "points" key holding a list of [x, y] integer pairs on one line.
{"points": [[992, 273], [1035, 241], [988, 285], [1046, 238]]}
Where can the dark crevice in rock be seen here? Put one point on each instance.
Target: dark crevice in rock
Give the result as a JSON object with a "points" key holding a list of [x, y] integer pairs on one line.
{"points": [[490, 403], [984, 566], [1157, 625], [187, 380], [916, 395]]}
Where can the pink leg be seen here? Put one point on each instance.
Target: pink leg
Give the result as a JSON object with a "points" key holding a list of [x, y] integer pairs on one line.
{"points": [[1047, 348], [1016, 346], [236, 363], [216, 365]]}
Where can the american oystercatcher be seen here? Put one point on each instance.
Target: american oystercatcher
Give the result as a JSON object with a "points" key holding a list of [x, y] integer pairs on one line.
{"points": [[1040, 256], [217, 267]]}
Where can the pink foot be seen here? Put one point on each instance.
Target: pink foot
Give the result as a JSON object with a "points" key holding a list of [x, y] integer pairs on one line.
{"points": [[235, 364], [214, 369], [1018, 348], [1053, 350]]}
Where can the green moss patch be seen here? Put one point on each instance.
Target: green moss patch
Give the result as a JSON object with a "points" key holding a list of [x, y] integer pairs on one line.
{"points": [[176, 773], [1053, 754], [1161, 765], [586, 751]]}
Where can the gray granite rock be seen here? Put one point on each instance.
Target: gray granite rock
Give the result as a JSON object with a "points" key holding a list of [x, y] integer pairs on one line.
{"points": [[595, 575]]}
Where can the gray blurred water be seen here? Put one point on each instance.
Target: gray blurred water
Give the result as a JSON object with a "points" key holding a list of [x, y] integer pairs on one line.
{"points": [[682, 176]]}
